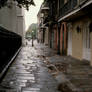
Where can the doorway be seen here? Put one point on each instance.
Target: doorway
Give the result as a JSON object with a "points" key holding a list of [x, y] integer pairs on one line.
{"points": [[86, 42]]}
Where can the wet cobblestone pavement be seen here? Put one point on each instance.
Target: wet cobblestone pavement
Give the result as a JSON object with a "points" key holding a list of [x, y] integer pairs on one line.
{"points": [[28, 73]]}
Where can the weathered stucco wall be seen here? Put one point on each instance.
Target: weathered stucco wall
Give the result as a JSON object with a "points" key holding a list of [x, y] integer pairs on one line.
{"points": [[77, 41], [55, 39], [12, 19], [8, 18], [46, 36], [80, 39]]}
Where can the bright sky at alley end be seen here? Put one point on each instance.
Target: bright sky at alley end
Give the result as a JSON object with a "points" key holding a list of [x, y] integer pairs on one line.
{"points": [[31, 15]]}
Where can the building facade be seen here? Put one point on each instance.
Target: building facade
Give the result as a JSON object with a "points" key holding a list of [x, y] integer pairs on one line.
{"points": [[43, 29], [47, 23], [12, 18], [78, 17], [69, 25]]}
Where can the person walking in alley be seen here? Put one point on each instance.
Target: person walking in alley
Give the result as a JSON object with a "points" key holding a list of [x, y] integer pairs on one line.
{"points": [[32, 41]]}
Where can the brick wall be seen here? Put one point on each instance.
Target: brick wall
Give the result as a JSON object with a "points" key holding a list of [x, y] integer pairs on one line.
{"points": [[55, 37]]}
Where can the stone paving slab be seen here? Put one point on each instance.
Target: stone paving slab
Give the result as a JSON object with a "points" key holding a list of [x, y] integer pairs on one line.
{"points": [[28, 73], [77, 72]]}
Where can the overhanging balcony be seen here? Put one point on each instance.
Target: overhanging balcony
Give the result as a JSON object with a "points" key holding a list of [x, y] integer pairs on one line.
{"points": [[68, 7], [82, 1], [44, 7], [74, 9]]}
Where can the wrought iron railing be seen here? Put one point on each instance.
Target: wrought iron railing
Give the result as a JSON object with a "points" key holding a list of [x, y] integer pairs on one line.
{"points": [[83, 1], [51, 15], [66, 8]]}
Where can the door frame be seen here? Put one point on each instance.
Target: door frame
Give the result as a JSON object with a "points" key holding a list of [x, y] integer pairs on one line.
{"points": [[86, 42]]}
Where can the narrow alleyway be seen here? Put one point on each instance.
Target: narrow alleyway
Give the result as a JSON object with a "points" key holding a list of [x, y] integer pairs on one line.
{"points": [[28, 73]]}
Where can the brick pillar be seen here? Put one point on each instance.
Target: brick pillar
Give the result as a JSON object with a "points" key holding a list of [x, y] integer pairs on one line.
{"points": [[59, 28], [63, 39], [55, 37]]}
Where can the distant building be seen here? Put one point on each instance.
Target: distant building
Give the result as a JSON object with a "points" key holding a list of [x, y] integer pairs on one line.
{"points": [[12, 18], [46, 22]]}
